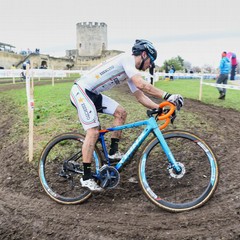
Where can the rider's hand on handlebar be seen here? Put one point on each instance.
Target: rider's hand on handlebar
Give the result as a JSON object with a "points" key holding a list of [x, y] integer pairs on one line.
{"points": [[176, 99]]}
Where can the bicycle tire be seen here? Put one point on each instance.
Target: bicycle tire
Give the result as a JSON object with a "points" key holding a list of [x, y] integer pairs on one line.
{"points": [[62, 185], [161, 185]]}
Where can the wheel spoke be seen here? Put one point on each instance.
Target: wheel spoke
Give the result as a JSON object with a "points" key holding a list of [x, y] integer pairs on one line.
{"points": [[61, 168], [188, 189]]}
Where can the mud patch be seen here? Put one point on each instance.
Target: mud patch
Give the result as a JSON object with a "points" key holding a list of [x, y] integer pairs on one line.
{"points": [[26, 212]]}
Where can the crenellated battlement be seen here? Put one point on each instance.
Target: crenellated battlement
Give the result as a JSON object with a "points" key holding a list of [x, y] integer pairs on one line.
{"points": [[91, 24]]}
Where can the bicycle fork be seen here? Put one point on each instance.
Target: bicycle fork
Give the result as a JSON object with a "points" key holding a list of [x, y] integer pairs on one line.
{"points": [[173, 163]]}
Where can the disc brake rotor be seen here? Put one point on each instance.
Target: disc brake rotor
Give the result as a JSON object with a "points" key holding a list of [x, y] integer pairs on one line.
{"points": [[173, 174]]}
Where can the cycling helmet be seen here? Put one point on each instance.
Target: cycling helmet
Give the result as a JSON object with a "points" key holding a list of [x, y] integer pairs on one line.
{"points": [[144, 45]]}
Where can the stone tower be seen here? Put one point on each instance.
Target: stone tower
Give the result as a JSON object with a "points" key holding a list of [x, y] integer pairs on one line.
{"points": [[91, 38]]}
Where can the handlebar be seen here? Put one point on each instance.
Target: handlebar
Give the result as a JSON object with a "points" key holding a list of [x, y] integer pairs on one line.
{"points": [[169, 113], [162, 114]]}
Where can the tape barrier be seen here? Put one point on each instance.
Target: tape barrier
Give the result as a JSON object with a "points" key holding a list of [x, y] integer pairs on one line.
{"points": [[222, 85]]}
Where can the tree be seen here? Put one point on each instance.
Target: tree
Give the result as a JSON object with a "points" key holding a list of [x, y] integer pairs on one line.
{"points": [[177, 62], [181, 60]]}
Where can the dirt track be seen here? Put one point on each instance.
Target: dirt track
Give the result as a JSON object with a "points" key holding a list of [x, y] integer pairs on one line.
{"points": [[26, 212]]}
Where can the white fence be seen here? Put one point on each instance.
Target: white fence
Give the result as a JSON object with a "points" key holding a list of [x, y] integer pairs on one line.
{"points": [[43, 73], [37, 73], [50, 73]]}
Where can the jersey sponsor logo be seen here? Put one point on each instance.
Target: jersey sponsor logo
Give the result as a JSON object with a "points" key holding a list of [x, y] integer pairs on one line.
{"points": [[116, 80], [80, 100], [85, 111], [106, 70]]}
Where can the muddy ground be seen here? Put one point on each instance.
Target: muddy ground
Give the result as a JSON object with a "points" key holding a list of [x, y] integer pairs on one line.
{"points": [[26, 212]]}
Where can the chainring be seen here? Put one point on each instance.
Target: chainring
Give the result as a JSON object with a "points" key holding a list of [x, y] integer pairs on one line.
{"points": [[109, 177]]}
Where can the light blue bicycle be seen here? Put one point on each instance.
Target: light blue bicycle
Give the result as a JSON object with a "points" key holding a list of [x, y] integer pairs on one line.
{"points": [[177, 170]]}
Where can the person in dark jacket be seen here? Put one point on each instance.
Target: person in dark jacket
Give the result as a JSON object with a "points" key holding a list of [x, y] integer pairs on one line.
{"points": [[172, 70], [224, 69], [234, 66]]}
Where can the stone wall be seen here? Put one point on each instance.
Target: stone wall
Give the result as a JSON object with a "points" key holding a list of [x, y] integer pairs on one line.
{"points": [[37, 60], [8, 59]]}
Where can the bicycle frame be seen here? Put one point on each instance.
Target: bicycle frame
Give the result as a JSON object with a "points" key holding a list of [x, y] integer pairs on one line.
{"points": [[151, 126], [60, 165]]}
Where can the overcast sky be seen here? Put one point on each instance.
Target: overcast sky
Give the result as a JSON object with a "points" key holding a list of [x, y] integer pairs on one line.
{"points": [[196, 30]]}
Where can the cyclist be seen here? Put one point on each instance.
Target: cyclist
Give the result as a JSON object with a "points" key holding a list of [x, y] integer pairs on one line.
{"points": [[87, 98]]}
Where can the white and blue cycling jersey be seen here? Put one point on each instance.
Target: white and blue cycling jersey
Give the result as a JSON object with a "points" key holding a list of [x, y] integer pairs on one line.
{"points": [[110, 73], [86, 93]]}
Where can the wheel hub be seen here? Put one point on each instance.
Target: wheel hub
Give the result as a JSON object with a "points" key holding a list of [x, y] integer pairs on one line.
{"points": [[173, 174]]}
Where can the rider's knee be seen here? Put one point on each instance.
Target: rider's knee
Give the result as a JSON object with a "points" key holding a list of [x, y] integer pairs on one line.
{"points": [[93, 133], [120, 113]]}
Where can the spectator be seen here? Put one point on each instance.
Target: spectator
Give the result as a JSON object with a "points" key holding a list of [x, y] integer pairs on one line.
{"points": [[166, 71], [43, 66], [234, 66], [171, 71], [24, 66], [224, 69]]}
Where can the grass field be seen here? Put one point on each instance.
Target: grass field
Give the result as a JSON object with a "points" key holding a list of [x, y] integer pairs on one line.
{"points": [[190, 89], [54, 114]]}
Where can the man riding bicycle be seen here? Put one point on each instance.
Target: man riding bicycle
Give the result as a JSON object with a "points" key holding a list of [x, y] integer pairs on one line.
{"points": [[87, 98]]}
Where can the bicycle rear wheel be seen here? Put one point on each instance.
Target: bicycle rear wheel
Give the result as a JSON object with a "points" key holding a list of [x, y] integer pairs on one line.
{"points": [[178, 192], [60, 168]]}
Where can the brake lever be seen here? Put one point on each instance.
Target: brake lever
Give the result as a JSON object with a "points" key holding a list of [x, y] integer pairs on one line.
{"points": [[160, 111], [173, 117], [152, 111], [165, 111]]}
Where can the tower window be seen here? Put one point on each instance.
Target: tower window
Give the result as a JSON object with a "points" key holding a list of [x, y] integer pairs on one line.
{"points": [[103, 46]]}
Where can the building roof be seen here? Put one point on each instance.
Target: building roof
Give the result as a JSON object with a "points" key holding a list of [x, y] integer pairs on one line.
{"points": [[6, 45]]}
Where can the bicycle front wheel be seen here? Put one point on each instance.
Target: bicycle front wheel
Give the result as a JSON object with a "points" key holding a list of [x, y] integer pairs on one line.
{"points": [[60, 168], [178, 192]]}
